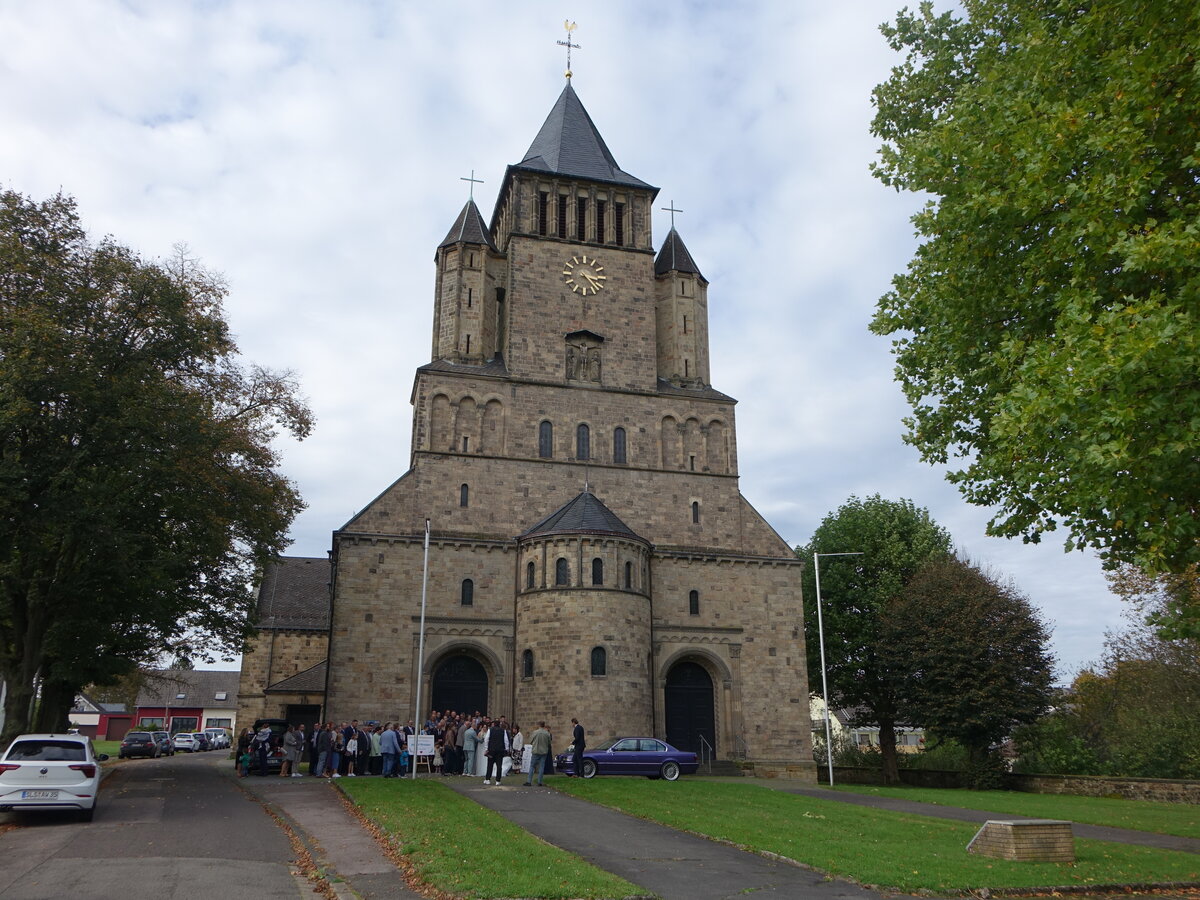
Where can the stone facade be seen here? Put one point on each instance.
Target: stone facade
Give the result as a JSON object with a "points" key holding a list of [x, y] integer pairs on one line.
{"points": [[570, 384]]}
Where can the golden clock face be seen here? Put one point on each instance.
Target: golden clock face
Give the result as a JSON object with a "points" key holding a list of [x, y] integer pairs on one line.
{"points": [[583, 275]]}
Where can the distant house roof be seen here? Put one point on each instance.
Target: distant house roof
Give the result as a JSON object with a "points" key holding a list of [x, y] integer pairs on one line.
{"points": [[310, 681], [85, 704], [190, 687], [583, 515], [294, 594]]}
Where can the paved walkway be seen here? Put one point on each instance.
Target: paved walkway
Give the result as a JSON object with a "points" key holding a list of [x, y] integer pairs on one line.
{"points": [[936, 811]]}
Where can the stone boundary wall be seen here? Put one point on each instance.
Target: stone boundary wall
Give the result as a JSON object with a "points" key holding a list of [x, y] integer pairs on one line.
{"points": [[1158, 789]]}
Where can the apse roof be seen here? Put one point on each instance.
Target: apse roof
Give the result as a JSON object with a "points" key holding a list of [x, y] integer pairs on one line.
{"points": [[674, 256], [584, 514], [468, 228], [570, 144]]}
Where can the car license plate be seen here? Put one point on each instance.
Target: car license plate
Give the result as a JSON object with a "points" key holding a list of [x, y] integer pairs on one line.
{"points": [[39, 795]]}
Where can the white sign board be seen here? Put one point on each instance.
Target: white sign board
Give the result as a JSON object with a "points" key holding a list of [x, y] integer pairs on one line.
{"points": [[420, 745]]}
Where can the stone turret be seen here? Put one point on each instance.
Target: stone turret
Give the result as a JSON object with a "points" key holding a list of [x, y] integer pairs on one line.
{"points": [[681, 315], [466, 325]]}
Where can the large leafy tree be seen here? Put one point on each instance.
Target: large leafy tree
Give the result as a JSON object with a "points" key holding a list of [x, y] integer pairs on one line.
{"points": [[896, 539], [1048, 326], [976, 655], [138, 491]]}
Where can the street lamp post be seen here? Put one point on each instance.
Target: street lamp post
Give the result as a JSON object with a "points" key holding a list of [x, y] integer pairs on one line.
{"points": [[821, 639]]}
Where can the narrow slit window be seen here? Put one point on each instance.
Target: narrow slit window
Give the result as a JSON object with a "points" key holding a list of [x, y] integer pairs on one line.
{"points": [[464, 491], [583, 442], [562, 215], [597, 571], [694, 603], [581, 218], [695, 512], [530, 575], [619, 224], [629, 576], [527, 664], [546, 440], [562, 572], [466, 444], [600, 208], [468, 592], [543, 203], [470, 294]]}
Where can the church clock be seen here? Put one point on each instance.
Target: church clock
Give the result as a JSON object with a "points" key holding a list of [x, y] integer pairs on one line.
{"points": [[584, 276]]}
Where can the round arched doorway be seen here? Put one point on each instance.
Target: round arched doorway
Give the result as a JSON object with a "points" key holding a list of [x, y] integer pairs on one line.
{"points": [[690, 712], [460, 683]]}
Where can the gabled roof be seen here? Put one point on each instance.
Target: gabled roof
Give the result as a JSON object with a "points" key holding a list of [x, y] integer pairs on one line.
{"points": [[310, 681], [294, 594], [583, 515], [674, 257], [468, 228], [569, 144], [199, 688]]}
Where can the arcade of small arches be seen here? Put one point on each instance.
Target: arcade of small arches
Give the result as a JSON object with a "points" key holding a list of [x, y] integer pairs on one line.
{"points": [[469, 425]]}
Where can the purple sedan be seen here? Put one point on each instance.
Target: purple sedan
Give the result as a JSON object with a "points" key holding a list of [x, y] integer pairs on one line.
{"points": [[632, 756]]}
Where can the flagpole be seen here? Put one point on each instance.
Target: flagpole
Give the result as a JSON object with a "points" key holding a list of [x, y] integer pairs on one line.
{"points": [[421, 650]]}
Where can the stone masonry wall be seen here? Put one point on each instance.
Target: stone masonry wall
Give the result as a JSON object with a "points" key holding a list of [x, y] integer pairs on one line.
{"points": [[270, 658]]}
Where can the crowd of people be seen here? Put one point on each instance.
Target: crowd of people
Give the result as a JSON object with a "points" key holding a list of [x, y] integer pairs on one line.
{"points": [[466, 744]]}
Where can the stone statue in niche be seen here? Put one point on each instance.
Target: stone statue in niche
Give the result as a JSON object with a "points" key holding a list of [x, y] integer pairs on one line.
{"points": [[583, 357]]}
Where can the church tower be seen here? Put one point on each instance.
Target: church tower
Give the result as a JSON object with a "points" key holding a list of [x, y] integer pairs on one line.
{"points": [[591, 553]]}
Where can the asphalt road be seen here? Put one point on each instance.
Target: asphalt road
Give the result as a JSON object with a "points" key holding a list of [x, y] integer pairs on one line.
{"points": [[171, 828]]}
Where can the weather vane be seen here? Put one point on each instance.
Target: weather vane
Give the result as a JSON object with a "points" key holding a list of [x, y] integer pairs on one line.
{"points": [[570, 26], [671, 209], [473, 181]]}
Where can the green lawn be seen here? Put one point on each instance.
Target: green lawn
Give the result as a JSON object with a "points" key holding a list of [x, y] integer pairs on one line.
{"points": [[112, 748], [1180, 819], [472, 852], [871, 846]]}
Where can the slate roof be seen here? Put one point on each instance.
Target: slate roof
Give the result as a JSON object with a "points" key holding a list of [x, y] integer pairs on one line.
{"points": [[199, 688], [708, 393], [674, 257], [310, 681], [294, 594], [468, 228], [495, 367], [583, 515], [569, 144]]}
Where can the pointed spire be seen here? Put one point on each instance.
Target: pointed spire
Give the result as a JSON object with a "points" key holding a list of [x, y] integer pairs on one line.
{"points": [[674, 257], [570, 144], [468, 228]]}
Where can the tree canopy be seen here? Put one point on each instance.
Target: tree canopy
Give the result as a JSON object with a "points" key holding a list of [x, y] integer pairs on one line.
{"points": [[1048, 326], [139, 495], [897, 539], [975, 656]]}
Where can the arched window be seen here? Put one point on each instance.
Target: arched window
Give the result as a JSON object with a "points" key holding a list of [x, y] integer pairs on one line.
{"points": [[597, 571], [599, 661], [619, 445], [464, 494], [527, 664], [562, 571], [695, 512], [629, 576], [530, 574], [546, 440], [694, 603], [583, 442], [468, 592]]}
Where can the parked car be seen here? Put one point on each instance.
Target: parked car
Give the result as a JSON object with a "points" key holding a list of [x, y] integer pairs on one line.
{"points": [[186, 741], [631, 756], [50, 771], [165, 744], [202, 740], [275, 756], [218, 737], [139, 743]]}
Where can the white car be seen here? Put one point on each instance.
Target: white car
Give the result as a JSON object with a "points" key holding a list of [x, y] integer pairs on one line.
{"points": [[186, 741], [50, 771], [218, 737]]}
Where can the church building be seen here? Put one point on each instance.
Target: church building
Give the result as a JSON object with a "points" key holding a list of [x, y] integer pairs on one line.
{"points": [[590, 552]]}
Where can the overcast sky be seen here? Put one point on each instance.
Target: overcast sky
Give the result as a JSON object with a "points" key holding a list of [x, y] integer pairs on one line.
{"points": [[312, 152]]}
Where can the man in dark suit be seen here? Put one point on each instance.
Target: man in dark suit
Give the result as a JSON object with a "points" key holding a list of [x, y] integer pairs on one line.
{"points": [[577, 756]]}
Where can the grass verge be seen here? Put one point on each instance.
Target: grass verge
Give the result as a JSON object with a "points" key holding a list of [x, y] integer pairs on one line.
{"points": [[1179, 819], [472, 852], [874, 847], [112, 748]]}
